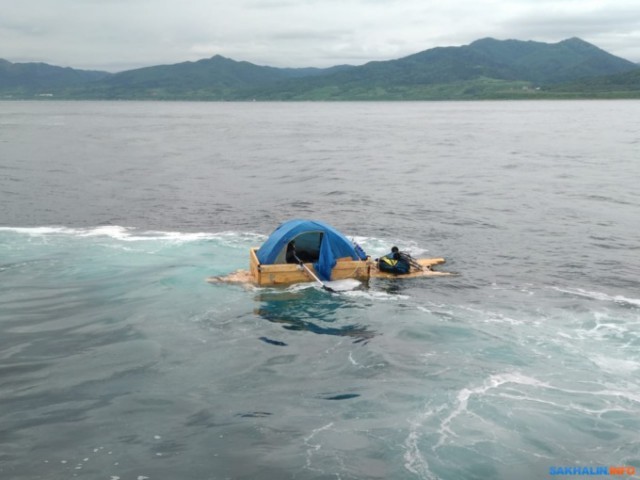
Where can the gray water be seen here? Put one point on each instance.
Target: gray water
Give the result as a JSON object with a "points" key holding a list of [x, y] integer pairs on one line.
{"points": [[118, 361]]}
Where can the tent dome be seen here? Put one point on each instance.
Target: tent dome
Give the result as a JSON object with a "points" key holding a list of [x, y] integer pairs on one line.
{"points": [[317, 240]]}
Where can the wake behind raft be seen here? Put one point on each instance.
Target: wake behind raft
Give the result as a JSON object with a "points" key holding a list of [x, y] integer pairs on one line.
{"points": [[308, 250]]}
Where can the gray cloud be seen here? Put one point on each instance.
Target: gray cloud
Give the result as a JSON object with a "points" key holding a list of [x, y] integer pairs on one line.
{"points": [[123, 34], [602, 21]]}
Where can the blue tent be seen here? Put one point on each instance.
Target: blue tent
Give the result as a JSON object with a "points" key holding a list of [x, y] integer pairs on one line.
{"points": [[317, 240]]}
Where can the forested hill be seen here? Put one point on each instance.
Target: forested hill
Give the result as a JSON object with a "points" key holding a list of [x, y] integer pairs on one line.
{"points": [[32, 78], [486, 68]]}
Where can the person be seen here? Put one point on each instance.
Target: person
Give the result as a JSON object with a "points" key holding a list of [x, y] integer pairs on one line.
{"points": [[394, 262], [291, 256]]}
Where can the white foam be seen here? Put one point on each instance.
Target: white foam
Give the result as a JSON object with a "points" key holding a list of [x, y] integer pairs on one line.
{"points": [[487, 316], [128, 234], [344, 285], [599, 296], [615, 365], [314, 447], [462, 399], [373, 246], [352, 360], [36, 231], [297, 287], [606, 327], [376, 247], [376, 295], [414, 461]]}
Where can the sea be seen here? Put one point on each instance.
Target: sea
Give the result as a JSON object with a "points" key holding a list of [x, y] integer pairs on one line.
{"points": [[119, 361]]}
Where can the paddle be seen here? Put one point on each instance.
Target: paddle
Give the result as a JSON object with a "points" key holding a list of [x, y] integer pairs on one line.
{"points": [[412, 261], [328, 289]]}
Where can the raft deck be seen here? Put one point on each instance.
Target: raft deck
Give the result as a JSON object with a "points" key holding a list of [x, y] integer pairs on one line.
{"points": [[288, 273]]}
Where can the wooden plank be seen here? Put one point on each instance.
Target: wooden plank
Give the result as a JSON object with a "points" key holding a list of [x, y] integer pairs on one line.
{"points": [[286, 274], [426, 263]]}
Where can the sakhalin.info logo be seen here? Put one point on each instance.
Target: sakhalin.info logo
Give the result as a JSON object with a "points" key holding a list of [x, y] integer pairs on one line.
{"points": [[593, 470]]}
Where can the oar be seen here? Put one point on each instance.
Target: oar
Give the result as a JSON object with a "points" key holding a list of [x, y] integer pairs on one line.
{"points": [[328, 289], [412, 261]]}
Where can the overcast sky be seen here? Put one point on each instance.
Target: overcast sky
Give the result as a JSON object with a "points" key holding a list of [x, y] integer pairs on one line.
{"points": [[118, 35]]}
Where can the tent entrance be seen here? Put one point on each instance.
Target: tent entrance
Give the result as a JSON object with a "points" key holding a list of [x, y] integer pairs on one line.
{"points": [[307, 247]]}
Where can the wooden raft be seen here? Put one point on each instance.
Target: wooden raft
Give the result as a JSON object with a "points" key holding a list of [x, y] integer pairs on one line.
{"points": [[426, 263], [287, 274]]}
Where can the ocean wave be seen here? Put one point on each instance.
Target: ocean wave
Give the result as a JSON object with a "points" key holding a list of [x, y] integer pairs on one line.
{"points": [[616, 365], [439, 423], [130, 234], [375, 295], [343, 286], [375, 247], [462, 399], [603, 297]]}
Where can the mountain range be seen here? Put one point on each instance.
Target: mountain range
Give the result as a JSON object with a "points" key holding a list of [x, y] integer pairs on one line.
{"points": [[485, 69]]}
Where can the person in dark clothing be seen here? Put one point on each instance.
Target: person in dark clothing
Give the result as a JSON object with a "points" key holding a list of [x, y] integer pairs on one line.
{"points": [[394, 262], [291, 256]]}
